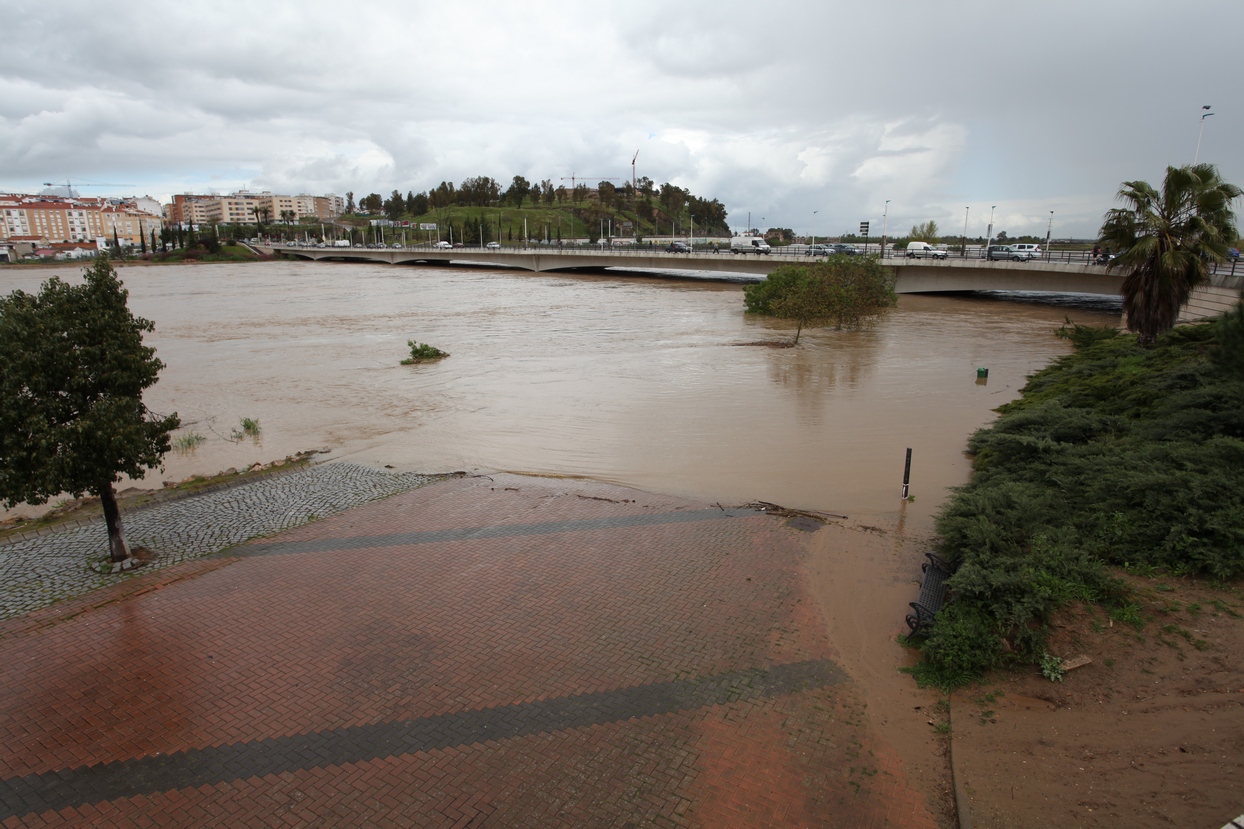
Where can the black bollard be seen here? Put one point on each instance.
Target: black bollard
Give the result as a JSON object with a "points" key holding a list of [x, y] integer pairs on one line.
{"points": [[907, 473]]}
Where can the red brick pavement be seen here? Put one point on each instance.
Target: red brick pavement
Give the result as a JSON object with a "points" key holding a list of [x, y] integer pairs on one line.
{"points": [[277, 645]]}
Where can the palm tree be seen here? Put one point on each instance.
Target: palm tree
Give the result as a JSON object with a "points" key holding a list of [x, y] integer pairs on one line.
{"points": [[1165, 242]]}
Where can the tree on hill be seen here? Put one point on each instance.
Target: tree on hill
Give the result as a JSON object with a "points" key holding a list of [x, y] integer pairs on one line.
{"points": [[350, 201], [72, 417], [1164, 241], [844, 291]]}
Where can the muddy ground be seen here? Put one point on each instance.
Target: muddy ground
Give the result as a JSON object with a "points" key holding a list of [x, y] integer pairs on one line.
{"points": [[1149, 732]]}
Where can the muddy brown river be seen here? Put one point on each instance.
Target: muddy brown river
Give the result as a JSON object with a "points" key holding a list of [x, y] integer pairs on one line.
{"points": [[639, 380]]}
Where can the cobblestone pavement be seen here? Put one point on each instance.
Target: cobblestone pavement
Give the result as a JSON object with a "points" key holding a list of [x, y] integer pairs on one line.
{"points": [[480, 652], [37, 571]]}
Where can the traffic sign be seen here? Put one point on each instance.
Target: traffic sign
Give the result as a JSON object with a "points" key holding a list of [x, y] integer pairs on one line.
{"points": [[863, 228]]}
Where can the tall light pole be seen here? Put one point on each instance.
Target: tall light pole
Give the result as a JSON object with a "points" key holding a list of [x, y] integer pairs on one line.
{"points": [[1204, 114], [814, 212], [989, 240], [964, 245], [885, 216], [1049, 229]]}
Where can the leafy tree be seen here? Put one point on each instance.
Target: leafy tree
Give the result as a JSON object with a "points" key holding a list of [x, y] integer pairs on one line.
{"points": [[517, 191], [418, 204], [394, 206], [372, 203], [844, 291], [927, 232], [607, 193], [72, 417], [1164, 241], [349, 201]]}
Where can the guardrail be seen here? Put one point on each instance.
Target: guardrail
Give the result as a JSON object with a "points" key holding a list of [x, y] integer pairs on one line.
{"points": [[1229, 267]]}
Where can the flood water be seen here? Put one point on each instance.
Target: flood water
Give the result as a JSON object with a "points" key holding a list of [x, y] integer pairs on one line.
{"points": [[644, 381]]}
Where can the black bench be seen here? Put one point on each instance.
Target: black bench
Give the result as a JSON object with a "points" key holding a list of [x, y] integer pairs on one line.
{"points": [[932, 594]]}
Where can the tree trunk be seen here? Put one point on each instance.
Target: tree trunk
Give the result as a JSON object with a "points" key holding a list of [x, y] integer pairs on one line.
{"points": [[117, 548], [798, 331]]}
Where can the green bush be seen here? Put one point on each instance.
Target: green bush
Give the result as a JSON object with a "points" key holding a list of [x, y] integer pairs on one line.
{"points": [[422, 353], [844, 291], [1113, 455]]}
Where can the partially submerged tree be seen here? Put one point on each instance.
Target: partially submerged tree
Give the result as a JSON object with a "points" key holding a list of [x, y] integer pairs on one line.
{"points": [[72, 418], [1165, 241], [843, 291]]}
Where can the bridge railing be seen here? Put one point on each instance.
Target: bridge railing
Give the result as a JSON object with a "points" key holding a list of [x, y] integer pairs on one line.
{"points": [[1230, 267]]}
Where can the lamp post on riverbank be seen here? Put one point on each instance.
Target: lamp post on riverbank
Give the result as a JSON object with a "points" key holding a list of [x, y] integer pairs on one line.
{"points": [[1048, 230], [1204, 114], [885, 217], [963, 247]]}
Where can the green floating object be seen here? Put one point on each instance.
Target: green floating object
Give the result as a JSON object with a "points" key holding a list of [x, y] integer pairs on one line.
{"points": [[982, 372]]}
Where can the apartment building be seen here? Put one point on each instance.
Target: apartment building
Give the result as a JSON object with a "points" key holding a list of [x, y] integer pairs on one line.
{"points": [[244, 206], [52, 218]]}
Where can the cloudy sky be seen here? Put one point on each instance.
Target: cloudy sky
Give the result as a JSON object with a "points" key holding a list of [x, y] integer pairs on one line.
{"points": [[779, 109]]}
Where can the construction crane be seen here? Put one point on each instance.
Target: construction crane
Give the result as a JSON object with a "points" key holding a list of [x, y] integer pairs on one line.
{"points": [[69, 186]]}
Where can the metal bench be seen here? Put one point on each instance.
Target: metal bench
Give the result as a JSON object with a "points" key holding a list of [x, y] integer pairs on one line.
{"points": [[932, 594]]}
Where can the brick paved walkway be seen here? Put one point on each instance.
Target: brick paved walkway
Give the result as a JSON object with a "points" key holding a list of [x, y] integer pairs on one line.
{"points": [[478, 652]]}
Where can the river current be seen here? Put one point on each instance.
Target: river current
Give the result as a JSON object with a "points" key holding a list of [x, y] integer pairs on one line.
{"points": [[653, 382]]}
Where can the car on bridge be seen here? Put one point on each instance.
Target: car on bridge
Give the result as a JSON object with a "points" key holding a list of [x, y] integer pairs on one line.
{"points": [[678, 247], [1007, 252], [442, 245], [924, 250], [493, 246]]}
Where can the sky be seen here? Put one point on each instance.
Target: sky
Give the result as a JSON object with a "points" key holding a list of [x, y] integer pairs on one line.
{"points": [[808, 115]]}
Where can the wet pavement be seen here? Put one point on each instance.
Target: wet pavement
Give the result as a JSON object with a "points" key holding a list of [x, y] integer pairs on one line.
{"points": [[486, 651]]}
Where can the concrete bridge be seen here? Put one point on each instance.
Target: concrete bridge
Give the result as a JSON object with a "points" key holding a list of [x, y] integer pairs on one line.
{"points": [[912, 276]]}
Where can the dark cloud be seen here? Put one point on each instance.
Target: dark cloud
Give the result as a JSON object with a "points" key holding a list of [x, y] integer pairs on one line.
{"points": [[782, 109]]}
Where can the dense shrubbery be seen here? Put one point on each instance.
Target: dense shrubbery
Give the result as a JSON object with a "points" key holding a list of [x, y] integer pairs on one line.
{"points": [[1114, 455]]}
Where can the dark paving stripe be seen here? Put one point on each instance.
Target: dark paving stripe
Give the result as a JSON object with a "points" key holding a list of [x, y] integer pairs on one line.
{"points": [[361, 542], [207, 766]]}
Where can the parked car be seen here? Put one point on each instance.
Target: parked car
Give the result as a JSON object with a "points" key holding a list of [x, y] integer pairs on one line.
{"points": [[493, 246], [924, 250], [678, 247]]}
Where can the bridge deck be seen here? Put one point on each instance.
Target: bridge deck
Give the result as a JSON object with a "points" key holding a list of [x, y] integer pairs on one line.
{"points": [[912, 275]]}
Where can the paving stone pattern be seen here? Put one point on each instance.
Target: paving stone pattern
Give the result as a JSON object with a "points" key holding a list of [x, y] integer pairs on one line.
{"points": [[478, 652], [38, 571]]}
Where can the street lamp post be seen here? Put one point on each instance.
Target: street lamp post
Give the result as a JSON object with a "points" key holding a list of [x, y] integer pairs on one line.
{"points": [[989, 232], [885, 217], [1204, 114], [1048, 230], [963, 247], [814, 212]]}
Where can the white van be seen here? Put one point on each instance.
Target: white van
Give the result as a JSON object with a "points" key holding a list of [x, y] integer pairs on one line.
{"points": [[1033, 251], [341, 243], [924, 250], [749, 244]]}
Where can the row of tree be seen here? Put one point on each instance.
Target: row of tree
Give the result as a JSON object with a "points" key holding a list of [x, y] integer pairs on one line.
{"points": [[648, 202]]}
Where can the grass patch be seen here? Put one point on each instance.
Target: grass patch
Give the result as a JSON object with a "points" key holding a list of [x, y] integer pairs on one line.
{"points": [[1114, 456], [188, 442]]}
